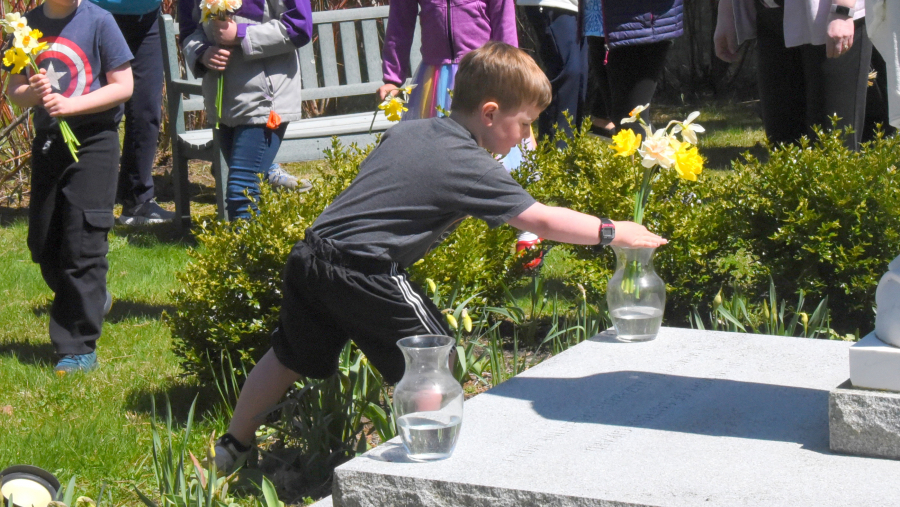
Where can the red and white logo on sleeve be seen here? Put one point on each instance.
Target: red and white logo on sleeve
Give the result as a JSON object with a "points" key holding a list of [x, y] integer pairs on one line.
{"points": [[68, 68]]}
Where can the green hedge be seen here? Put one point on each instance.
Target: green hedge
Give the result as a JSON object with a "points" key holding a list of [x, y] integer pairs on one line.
{"points": [[817, 218]]}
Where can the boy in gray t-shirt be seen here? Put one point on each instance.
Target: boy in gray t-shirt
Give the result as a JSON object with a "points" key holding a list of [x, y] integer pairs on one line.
{"points": [[346, 279]]}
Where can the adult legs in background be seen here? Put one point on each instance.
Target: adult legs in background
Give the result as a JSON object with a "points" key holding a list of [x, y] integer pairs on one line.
{"points": [[837, 86], [877, 100], [249, 151], [564, 58], [781, 82], [142, 120], [628, 78]]}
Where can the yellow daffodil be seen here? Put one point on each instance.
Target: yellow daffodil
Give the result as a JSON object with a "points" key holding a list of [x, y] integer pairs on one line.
{"points": [[452, 321], [467, 321], [689, 129], [408, 89], [626, 143], [431, 285], [688, 162], [393, 108], [635, 114], [657, 150], [30, 42], [15, 58]]}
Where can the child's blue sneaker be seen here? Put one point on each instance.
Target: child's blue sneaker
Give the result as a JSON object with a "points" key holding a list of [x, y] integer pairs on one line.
{"points": [[71, 363]]}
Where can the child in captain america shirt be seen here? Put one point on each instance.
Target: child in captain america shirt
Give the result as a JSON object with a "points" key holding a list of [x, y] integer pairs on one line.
{"points": [[85, 76]]}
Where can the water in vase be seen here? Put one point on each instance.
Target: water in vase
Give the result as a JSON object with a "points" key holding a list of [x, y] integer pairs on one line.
{"points": [[636, 323], [429, 436]]}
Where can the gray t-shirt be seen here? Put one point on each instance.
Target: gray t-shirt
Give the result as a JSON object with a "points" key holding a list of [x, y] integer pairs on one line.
{"points": [[415, 188]]}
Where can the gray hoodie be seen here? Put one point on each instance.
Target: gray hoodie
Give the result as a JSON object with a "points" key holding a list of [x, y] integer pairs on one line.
{"points": [[263, 73]]}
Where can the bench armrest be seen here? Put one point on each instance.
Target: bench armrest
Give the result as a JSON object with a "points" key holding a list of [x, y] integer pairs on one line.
{"points": [[184, 86]]}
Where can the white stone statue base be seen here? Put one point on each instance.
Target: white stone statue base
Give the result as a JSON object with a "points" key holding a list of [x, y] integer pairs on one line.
{"points": [[875, 364]]}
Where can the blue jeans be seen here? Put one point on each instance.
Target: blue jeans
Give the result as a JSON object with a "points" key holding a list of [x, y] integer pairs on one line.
{"points": [[249, 151]]}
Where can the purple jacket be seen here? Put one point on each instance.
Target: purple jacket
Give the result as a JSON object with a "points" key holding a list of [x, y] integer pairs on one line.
{"points": [[450, 29], [634, 22]]}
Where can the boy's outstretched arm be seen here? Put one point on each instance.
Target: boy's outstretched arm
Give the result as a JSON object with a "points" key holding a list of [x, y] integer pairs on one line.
{"points": [[569, 226], [118, 89]]}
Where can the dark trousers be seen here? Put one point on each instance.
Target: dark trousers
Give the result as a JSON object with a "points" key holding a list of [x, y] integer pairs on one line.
{"points": [[800, 86], [70, 214], [564, 56], [625, 77], [143, 110]]}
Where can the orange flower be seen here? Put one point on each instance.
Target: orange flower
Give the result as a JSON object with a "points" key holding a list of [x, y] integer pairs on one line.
{"points": [[274, 120]]}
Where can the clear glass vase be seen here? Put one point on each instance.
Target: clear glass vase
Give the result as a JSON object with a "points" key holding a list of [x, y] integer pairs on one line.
{"points": [[636, 295], [428, 401]]}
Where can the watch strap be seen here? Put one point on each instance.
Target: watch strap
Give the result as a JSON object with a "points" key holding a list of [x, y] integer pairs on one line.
{"points": [[607, 231]]}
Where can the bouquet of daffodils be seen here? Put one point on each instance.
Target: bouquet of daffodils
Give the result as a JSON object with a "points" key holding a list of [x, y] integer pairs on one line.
{"points": [[394, 105], [218, 9], [661, 150], [27, 46]]}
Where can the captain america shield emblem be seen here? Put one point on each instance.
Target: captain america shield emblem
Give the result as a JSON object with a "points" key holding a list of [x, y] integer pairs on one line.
{"points": [[68, 68]]}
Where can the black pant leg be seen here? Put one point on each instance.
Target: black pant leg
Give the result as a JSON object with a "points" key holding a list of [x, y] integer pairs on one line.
{"points": [[71, 244], [599, 93], [143, 111], [837, 86], [564, 56], [781, 81], [633, 73]]}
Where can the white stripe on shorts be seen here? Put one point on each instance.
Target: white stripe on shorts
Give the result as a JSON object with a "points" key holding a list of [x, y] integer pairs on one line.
{"points": [[411, 297]]}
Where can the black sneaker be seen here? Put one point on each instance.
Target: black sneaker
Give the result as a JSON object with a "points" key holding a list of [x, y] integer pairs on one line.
{"points": [[146, 213]]}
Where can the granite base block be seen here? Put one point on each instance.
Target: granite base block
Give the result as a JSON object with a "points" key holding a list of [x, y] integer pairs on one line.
{"points": [[864, 422]]}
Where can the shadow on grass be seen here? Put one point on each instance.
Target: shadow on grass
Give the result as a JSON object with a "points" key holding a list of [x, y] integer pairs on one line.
{"points": [[11, 215], [151, 235], [40, 354], [122, 309], [180, 398]]}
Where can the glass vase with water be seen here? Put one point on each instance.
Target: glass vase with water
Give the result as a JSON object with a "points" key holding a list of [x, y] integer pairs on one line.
{"points": [[428, 401], [635, 295]]}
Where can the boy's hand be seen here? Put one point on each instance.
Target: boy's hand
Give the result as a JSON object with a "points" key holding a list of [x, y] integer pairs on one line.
{"points": [[215, 58], [634, 235], [58, 105], [40, 83], [225, 32]]}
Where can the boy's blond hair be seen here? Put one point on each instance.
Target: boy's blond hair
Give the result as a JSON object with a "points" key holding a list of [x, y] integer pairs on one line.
{"points": [[501, 73]]}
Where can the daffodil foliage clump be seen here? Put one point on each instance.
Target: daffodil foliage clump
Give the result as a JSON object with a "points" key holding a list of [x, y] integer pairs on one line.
{"points": [[815, 217]]}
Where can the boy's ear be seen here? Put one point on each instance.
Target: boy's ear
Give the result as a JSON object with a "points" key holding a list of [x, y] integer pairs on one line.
{"points": [[489, 112]]}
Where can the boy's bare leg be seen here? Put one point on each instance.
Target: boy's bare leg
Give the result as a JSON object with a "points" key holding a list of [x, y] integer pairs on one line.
{"points": [[266, 384]]}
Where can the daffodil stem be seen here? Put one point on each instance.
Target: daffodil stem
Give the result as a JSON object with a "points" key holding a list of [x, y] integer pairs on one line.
{"points": [[64, 128], [220, 88], [372, 125]]}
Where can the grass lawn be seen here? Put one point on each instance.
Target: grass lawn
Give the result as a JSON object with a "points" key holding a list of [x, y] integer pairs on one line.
{"points": [[97, 425]]}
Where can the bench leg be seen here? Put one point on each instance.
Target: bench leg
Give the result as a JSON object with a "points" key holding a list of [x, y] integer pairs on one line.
{"points": [[220, 171], [182, 191]]}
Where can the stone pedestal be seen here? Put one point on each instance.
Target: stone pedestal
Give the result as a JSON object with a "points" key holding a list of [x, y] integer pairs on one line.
{"points": [[693, 418], [864, 421]]}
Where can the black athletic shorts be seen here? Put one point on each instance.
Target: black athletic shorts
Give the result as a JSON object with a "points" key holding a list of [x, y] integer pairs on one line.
{"points": [[330, 297]]}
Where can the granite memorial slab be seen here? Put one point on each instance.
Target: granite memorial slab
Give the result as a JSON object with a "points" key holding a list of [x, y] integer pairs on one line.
{"points": [[692, 418], [864, 422]]}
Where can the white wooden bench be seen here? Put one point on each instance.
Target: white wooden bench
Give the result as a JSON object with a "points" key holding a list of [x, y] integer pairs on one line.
{"points": [[322, 77]]}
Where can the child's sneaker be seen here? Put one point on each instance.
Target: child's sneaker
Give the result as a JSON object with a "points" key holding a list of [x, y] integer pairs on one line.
{"points": [[231, 454], [278, 177], [71, 363], [149, 212]]}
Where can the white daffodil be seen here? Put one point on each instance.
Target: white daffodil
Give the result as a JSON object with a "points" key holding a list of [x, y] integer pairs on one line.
{"points": [[657, 149], [688, 129], [14, 22], [635, 114]]}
